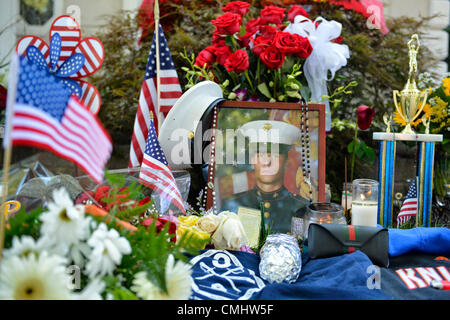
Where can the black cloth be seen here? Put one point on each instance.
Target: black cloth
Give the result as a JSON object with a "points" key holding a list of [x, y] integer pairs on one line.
{"points": [[408, 276]]}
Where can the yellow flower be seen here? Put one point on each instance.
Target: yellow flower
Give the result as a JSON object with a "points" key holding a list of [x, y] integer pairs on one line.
{"points": [[427, 110], [193, 232], [446, 86], [188, 220], [439, 111], [398, 119]]}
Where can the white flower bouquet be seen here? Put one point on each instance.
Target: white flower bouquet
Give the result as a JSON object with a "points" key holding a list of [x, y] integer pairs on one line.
{"points": [[79, 251]]}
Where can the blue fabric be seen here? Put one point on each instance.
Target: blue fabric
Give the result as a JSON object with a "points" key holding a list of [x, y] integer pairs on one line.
{"points": [[222, 274], [421, 239], [337, 278], [219, 274]]}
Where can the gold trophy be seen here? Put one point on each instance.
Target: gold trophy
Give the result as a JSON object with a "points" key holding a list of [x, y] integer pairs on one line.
{"points": [[412, 101]]}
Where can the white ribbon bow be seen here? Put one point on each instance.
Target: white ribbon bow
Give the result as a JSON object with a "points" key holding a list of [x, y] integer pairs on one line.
{"points": [[326, 56]]}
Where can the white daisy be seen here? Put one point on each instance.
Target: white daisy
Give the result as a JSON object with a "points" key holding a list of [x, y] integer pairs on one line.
{"points": [[92, 291], [79, 252], [34, 278], [26, 245], [64, 222], [107, 250], [143, 288], [178, 283]]}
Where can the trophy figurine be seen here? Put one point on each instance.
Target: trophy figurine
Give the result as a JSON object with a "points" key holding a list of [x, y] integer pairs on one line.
{"points": [[412, 101], [409, 104]]}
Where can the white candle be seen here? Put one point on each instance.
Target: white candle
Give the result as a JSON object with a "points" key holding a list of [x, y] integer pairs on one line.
{"points": [[364, 213]]}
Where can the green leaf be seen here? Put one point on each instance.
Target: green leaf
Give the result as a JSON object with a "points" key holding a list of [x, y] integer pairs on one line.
{"points": [[369, 154], [351, 146], [264, 90], [23, 223], [124, 294], [359, 148]]}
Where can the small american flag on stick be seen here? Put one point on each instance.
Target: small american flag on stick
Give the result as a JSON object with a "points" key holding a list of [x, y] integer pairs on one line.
{"points": [[170, 91], [155, 172], [409, 207], [46, 115]]}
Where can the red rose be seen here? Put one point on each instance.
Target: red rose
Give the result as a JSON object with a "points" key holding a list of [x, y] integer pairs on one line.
{"points": [[272, 14], [222, 52], [217, 38], [365, 115], [143, 201], [228, 23], [338, 39], [290, 43], [237, 62], [206, 56], [253, 25], [268, 31], [239, 7], [260, 44], [295, 11], [84, 197], [3, 95], [160, 223], [245, 39], [272, 57]]}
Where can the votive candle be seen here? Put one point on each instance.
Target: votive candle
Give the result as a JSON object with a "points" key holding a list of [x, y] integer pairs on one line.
{"points": [[364, 202]]}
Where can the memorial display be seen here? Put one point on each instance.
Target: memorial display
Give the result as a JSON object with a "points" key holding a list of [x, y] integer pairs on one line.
{"points": [[226, 191]]}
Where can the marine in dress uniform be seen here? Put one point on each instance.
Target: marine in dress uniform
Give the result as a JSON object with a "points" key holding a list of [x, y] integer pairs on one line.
{"points": [[270, 142]]}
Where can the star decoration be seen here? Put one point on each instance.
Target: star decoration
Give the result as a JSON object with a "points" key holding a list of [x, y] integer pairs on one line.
{"points": [[68, 58]]}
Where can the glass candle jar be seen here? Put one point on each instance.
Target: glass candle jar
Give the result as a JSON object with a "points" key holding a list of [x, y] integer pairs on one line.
{"points": [[346, 199], [364, 202], [323, 212]]}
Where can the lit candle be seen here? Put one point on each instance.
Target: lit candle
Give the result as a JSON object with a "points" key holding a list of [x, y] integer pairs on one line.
{"points": [[365, 202]]}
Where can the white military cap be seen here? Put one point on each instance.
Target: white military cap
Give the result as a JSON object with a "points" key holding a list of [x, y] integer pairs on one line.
{"points": [[270, 131], [182, 122]]}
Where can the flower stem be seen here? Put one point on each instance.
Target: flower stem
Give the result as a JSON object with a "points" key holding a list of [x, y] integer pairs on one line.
{"points": [[249, 82], [355, 139], [235, 46], [274, 84], [258, 67]]}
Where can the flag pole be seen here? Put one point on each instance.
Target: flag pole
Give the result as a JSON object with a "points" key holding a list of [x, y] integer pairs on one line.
{"points": [[12, 88], [158, 64]]}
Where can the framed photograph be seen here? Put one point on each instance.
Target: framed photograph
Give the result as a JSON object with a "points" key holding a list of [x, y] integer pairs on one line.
{"points": [[270, 154]]}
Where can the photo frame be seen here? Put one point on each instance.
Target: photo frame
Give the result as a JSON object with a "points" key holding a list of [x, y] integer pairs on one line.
{"points": [[228, 177]]}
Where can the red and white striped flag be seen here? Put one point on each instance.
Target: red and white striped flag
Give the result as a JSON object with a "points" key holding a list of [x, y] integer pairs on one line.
{"points": [[155, 172], [69, 30], [46, 115], [409, 207], [148, 100]]}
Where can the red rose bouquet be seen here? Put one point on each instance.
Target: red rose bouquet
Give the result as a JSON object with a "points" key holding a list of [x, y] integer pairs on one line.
{"points": [[254, 59], [279, 55]]}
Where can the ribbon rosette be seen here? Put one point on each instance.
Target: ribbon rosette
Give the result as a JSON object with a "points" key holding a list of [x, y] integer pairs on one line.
{"points": [[68, 58], [326, 57]]}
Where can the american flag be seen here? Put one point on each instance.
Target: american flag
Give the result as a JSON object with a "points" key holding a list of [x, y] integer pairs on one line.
{"points": [[155, 172], [46, 115], [409, 207], [148, 100]]}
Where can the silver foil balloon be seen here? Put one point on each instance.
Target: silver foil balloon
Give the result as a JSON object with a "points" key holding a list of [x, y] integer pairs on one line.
{"points": [[281, 259]]}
